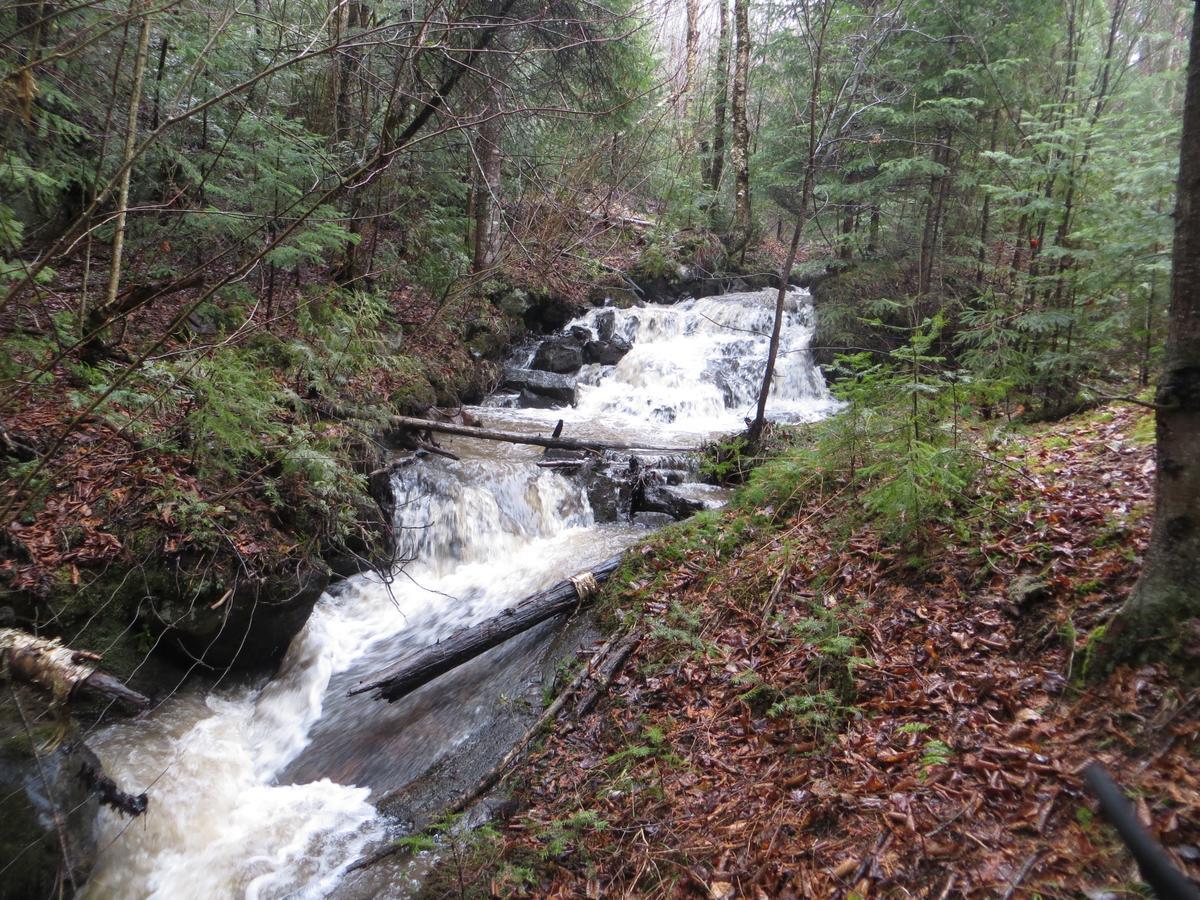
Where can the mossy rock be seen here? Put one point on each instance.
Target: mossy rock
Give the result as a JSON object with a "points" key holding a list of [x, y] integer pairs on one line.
{"points": [[37, 788]]}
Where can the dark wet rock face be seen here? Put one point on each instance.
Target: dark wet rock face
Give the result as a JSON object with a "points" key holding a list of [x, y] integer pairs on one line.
{"points": [[606, 353], [652, 520], [40, 790], [661, 498], [251, 628], [551, 385], [562, 355], [606, 323], [610, 485]]}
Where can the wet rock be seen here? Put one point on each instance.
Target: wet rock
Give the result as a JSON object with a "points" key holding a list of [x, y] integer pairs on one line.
{"points": [[661, 499], [37, 790], [557, 454], [652, 519], [606, 324], [610, 488], [546, 384], [562, 355], [547, 313], [579, 334], [248, 625], [606, 353], [527, 399]]}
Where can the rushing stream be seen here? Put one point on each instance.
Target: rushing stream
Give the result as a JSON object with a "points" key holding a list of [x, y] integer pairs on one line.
{"points": [[272, 789]]}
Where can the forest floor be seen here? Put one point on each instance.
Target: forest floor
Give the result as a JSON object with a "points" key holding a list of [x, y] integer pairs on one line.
{"points": [[817, 711]]}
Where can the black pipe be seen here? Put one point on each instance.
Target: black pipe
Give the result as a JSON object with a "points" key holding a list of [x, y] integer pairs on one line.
{"points": [[1167, 882]]}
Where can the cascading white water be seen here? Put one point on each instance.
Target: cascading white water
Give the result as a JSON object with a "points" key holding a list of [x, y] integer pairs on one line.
{"points": [[241, 798], [219, 824], [696, 367]]}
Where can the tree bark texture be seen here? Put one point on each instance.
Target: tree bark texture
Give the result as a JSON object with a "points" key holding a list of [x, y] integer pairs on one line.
{"points": [[486, 192], [1162, 615], [59, 670], [136, 8], [739, 153], [721, 98]]}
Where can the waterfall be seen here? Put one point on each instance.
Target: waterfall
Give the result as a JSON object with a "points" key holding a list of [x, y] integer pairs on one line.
{"points": [[269, 789], [695, 368], [220, 823]]}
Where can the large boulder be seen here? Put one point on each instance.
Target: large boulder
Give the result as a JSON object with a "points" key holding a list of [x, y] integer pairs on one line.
{"points": [[546, 384], [561, 355], [250, 625], [606, 353]]}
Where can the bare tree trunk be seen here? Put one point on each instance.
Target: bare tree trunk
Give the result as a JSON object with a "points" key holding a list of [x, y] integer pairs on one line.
{"points": [[717, 165], [1162, 615], [487, 179], [136, 8], [849, 220], [938, 184], [740, 151], [986, 217], [754, 433], [689, 67]]}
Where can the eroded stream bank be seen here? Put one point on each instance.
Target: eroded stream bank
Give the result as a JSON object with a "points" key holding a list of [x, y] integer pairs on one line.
{"points": [[270, 789]]}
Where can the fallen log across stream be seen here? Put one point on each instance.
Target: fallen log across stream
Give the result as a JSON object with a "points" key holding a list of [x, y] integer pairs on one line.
{"points": [[61, 671], [424, 665], [515, 437]]}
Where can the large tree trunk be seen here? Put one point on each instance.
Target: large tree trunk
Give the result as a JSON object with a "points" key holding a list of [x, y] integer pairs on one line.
{"points": [[1162, 616], [691, 54], [487, 180], [739, 153], [721, 95]]}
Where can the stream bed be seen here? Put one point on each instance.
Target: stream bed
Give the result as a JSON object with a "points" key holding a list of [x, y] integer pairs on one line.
{"points": [[272, 788]]}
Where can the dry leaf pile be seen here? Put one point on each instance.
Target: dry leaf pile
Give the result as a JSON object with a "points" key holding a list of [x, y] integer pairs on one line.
{"points": [[942, 757]]}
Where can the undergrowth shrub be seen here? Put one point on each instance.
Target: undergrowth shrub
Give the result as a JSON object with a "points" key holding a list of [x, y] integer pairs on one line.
{"points": [[897, 445]]}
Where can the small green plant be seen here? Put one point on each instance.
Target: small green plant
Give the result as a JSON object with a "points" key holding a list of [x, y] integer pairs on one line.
{"points": [[726, 462], [562, 834], [936, 753]]}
